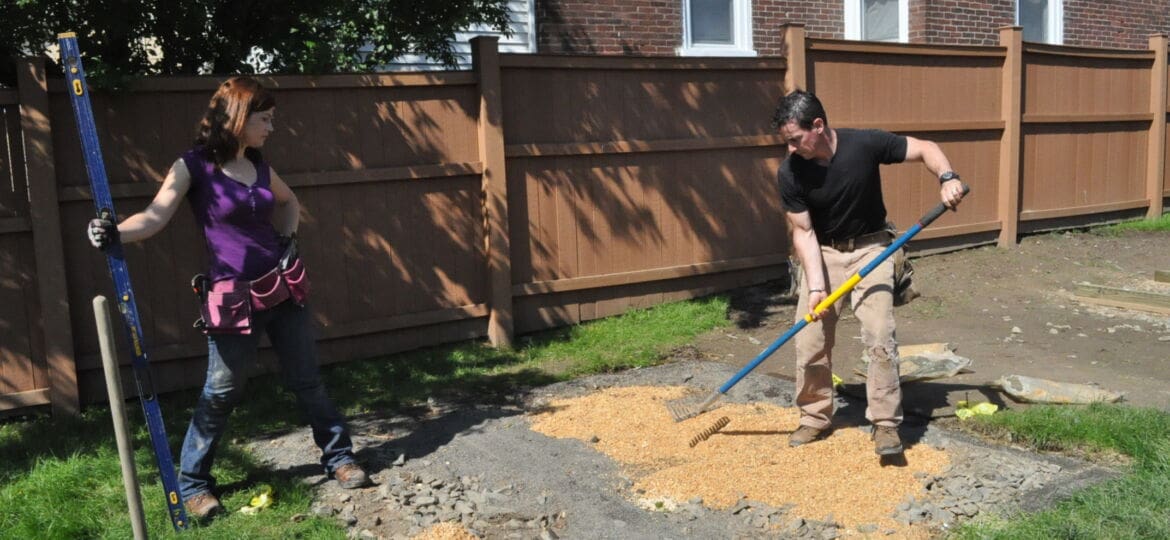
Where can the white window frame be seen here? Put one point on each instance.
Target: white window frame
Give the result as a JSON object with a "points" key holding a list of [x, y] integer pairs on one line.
{"points": [[853, 20], [1054, 24], [741, 14]]}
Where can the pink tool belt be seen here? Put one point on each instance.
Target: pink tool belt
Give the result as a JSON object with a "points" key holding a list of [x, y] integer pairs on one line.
{"points": [[229, 304]]}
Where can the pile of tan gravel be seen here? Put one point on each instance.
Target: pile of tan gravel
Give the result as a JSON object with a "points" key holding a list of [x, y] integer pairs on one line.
{"points": [[836, 479], [446, 531]]}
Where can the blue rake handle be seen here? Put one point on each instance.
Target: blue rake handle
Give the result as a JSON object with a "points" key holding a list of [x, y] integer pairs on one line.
{"points": [[844, 289]]}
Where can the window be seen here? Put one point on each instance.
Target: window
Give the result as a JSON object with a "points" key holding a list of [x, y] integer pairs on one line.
{"points": [[1043, 20], [717, 28], [877, 20]]}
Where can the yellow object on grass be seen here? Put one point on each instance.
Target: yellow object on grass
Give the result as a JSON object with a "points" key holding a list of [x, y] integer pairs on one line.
{"points": [[965, 410], [259, 502]]}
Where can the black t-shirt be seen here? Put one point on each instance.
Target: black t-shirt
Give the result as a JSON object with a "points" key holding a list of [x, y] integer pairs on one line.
{"points": [[844, 199]]}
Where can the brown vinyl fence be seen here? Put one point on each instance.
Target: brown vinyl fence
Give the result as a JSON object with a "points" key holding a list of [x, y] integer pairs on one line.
{"points": [[539, 191], [632, 181], [23, 370], [946, 94]]}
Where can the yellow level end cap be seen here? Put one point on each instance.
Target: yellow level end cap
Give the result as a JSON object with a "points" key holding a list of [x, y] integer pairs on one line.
{"points": [[66, 34]]}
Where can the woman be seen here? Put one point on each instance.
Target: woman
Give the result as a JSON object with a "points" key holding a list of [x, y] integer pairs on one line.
{"points": [[249, 218]]}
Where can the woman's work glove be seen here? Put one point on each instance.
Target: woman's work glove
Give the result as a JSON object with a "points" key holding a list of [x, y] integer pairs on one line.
{"points": [[101, 232]]}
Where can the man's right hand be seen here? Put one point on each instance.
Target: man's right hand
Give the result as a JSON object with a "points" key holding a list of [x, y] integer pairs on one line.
{"points": [[101, 232], [815, 298]]}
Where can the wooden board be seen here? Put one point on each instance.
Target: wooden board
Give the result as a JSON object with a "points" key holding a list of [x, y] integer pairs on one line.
{"points": [[1123, 298]]}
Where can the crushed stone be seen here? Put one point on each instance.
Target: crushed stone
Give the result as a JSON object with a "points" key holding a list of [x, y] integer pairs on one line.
{"points": [[748, 460], [485, 469]]}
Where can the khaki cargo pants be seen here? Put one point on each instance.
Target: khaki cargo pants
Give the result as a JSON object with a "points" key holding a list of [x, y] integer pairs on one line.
{"points": [[872, 301]]}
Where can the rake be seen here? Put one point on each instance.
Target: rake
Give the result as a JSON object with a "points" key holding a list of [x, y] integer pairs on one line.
{"points": [[683, 409], [707, 433]]}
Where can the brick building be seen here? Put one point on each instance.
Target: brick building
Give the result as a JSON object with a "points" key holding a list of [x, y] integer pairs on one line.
{"points": [[753, 27]]}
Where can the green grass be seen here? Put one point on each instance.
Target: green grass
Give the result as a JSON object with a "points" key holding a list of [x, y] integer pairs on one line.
{"points": [[637, 338], [1161, 223], [60, 478], [64, 481], [1132, 506]]}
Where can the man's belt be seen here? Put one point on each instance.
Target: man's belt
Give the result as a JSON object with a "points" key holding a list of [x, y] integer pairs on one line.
{"points": [[850, 244]]}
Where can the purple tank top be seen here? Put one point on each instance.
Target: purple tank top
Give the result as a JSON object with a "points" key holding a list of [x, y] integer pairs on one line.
{"points": [[242, 244]]}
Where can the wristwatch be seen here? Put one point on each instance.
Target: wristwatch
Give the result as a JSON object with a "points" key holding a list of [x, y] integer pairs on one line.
{"points": [[949, 175]]}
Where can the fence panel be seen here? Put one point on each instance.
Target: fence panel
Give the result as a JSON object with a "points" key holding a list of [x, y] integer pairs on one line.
{"points": [[947, 94], [1086, 119], [636, 171], [23, 376]]}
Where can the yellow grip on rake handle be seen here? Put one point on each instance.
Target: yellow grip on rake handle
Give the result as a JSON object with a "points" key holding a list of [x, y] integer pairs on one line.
{"points": [[832, 298]]}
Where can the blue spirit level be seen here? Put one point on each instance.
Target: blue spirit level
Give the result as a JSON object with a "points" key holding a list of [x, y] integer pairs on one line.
{"points": [[100, 185]]}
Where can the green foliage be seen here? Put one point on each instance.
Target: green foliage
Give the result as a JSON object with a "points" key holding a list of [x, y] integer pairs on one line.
{"points": [[1132, 506], [1133, 431], [1159, 224], [637, 338], [60, 477], [126, 38], [67, 484]]}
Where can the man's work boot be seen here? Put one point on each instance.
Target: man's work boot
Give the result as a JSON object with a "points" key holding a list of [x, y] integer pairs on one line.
{"points": [[202, 506], [350, 476], [804, 435], [886, 441]]}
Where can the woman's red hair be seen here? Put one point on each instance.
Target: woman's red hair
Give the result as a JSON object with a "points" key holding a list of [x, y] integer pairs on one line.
{"points": [[227, 113]]}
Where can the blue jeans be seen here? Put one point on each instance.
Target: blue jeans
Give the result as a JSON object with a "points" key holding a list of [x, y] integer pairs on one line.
{"points": [[230, 360]]}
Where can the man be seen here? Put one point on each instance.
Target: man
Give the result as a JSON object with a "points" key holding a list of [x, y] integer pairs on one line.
{"points": [[832, 196]]}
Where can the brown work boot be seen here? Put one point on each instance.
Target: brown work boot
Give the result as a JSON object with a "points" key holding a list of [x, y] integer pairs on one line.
{"points": [[886, 441], [202, 506], [350, 476], [804, 435]]}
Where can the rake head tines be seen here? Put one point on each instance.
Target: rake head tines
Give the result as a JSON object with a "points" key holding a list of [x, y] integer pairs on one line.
{"points": [[707, 433], [683, 409]]}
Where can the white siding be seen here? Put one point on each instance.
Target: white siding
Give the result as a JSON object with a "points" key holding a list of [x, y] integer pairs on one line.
{"points": [[522, 14]]}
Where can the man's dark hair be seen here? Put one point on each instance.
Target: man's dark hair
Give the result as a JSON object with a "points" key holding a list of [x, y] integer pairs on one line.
{"points": [[801, 106]]}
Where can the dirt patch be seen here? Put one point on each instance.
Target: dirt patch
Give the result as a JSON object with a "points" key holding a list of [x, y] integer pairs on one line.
{"points": [[1011, 311]]}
